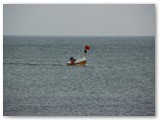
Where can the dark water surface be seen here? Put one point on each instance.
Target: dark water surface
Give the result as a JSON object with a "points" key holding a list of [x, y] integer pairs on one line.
{"points": [[119, 78]]}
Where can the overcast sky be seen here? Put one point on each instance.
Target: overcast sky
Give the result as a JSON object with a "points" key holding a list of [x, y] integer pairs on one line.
{"points": [[79, 20]]}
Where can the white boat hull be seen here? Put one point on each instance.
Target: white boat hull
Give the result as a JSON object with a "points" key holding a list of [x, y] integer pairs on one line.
{"points": [[79, 62]]}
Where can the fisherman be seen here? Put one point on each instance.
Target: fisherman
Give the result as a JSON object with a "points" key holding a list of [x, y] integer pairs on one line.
{"points": [[72, 60]]}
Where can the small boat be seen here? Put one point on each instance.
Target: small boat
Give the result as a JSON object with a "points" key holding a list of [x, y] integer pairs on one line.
{"points": [[78, 62], [81, 60]]}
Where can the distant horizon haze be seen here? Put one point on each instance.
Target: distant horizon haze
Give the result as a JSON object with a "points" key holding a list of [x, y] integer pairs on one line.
{"points": [[79, 20]]}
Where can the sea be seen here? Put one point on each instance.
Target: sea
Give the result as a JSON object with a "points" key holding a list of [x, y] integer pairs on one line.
{"points": [[118, 79]]}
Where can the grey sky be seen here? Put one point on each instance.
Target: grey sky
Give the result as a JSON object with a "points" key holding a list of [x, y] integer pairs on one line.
{"points": [[79, 20]]}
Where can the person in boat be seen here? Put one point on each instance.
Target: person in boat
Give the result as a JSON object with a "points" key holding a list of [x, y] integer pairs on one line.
{"points": [[72, 60]]}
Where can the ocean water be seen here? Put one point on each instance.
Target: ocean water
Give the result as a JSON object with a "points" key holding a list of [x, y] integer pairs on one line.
{"points": [[118, 80]]}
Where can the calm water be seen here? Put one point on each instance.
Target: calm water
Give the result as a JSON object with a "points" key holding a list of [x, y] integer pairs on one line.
{"points": [[119, 78]]}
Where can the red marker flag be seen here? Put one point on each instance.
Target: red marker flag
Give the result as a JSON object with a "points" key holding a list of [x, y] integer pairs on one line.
{"points": [[87, 47]]}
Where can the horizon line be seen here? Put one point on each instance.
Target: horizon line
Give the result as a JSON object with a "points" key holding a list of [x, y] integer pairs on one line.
{"points": [[81, 35]]}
